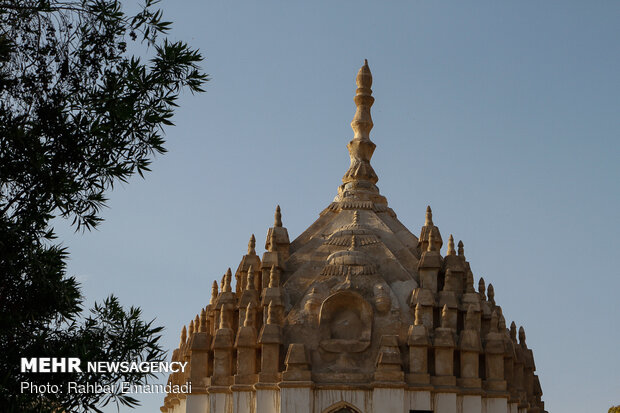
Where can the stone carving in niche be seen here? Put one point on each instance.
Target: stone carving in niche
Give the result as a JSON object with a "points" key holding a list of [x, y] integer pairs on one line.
{"points": [[345, 323]]}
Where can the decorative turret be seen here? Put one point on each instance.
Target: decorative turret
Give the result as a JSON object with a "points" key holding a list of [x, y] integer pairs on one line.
{"points": [[470, 347], [444, 345], [418, 342], [277, 247], [248, 260]]}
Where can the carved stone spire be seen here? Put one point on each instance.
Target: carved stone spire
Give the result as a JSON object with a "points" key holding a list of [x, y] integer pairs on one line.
{"points": [[522, 336], [491, 293], [183, 336], [252, 245], [226, 288], [250, 279], [361, 147], [278, 217], [451, 246], [214, 293], [428, 218], [513, 331], [481, 289], [461, 250]]}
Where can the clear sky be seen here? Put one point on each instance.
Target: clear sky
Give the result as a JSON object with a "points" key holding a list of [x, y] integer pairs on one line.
{"points": [[503, 116]]}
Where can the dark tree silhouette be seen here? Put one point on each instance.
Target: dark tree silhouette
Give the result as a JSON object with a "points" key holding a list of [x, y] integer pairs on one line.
{"points": [[78, 113]]}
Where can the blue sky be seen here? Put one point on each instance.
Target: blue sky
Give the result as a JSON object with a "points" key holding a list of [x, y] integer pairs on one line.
{"points": [[504, 117]]}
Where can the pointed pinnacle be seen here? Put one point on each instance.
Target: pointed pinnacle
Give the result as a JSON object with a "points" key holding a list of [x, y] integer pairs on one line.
{"points": [[227, 281], [252, 245], [278, 217], [249, 315], [250, 282], [444, 316], [428, 219], [183, 336], [481, 288], [461, 250], [214, 293], [451, 246], [271, 313]]}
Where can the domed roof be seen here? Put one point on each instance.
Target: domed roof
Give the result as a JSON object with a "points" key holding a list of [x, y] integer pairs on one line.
{"points": [[354, 295]]}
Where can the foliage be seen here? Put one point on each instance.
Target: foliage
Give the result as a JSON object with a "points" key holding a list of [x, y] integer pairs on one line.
{"points": [[78, 113]]}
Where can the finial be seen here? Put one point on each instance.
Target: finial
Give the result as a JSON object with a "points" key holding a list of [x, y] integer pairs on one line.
{"points": [[481, 288], [356, 217], [522, 336], [494, 320], [428, 219], [203, 321], [361, 147], [470, 318], [227, 280], [278, 217], [272, 241], [250, 283], [491, 293], [271, 313], [274, 277], [196, 323], [183, 336], [191, 328], [418, 315], [249, 315], [444, 316], [252, 246], [213, 293], [461, 249], [513, 331], [451, 246], [469, 282]]}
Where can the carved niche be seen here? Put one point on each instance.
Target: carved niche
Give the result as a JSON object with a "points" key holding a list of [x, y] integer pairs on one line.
{"points": [[345, 323]]}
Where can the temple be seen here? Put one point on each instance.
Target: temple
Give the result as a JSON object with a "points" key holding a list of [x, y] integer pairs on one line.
{"points": [[357, 314]]}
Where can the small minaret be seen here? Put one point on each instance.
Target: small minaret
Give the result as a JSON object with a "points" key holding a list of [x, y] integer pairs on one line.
{"points": [[246, 345], [454, 270], [270, 339], [297, 364], [418, 343], [426, 231], [272, 295], [389, 364], [444, 345], [222, 350], [277, 246], [470, 347], [494, 357], [248, 260], [248, 296], [429, 265], [200, 343]]}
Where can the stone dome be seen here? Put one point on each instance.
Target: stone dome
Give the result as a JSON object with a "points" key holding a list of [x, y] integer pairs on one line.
{"points": [[355, 304]]}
